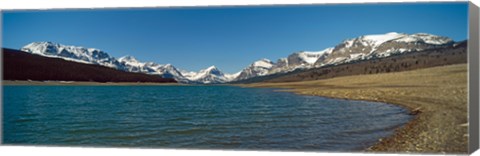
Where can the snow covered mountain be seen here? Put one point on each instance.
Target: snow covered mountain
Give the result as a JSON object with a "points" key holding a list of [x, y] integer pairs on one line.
{"points": [[382, 45], [360, 48], [299, 60], [257, 68], [72, 53], [133, 65], [126, 63], [168, 71], [210, 75]]}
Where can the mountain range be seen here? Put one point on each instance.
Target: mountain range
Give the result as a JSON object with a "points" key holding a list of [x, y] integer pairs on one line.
{"points": [[355, 49], [22, 66]]}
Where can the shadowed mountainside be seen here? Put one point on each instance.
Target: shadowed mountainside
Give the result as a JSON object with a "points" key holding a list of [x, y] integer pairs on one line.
{"points": [[19, 65]]}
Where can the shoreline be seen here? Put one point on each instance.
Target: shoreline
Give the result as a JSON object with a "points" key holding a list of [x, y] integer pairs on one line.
{"points": [[382, 141], [437, 97], [439, 122]]}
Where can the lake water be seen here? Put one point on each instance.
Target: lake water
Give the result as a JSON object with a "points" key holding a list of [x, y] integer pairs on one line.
{"points": [[195, 117]]}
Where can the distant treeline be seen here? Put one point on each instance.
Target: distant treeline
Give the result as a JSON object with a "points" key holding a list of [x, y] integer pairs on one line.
{"points": [[19, 65], [453, 54]]}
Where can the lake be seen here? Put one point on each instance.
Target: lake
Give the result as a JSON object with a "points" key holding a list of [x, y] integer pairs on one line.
{"points": [[193, 117]]}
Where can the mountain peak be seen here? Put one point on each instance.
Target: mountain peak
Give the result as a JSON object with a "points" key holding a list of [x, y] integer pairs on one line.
{"points": [[265, 60], [168, 65], [211, 70], [38, 46], [212, 67], [377, 39], [263, 63], [45, 43], [128, 58], [209, 75], [393, 33]]}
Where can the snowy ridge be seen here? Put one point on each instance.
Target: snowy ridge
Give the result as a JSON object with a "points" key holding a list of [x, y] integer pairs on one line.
{"points": [[360, 48], [231, 77], [426, 38], [263, 63], [72, 53], [188, 74], [210, 75], [312, 57], [378, 39], [130, 60], [381, 45], [298, 60], [95, 56], [257, 68]]}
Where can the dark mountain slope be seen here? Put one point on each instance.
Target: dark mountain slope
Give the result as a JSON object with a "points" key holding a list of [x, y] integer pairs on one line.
{"points": [[19, 65]]}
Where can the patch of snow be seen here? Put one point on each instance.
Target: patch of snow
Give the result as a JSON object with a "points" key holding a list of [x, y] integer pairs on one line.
{"points": [[130, 60], [348, 43], [188, 74], [402, 50], [407, 39], [230, 77], [382, 38], [356, 56], [311, 57], [265, 63], [426, 38]]}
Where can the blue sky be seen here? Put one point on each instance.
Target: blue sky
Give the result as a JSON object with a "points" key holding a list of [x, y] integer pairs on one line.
{"points": [[230, 38]]}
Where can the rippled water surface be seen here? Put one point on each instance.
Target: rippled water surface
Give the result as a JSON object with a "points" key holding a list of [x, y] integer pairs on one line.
{"points": [[201, 117]]}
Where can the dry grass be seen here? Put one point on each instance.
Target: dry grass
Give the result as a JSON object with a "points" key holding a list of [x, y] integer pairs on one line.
{"points": [[438, 95]]}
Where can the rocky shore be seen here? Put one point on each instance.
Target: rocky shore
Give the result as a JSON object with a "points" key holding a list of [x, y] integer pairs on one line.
{"points": [[436, 96]]}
